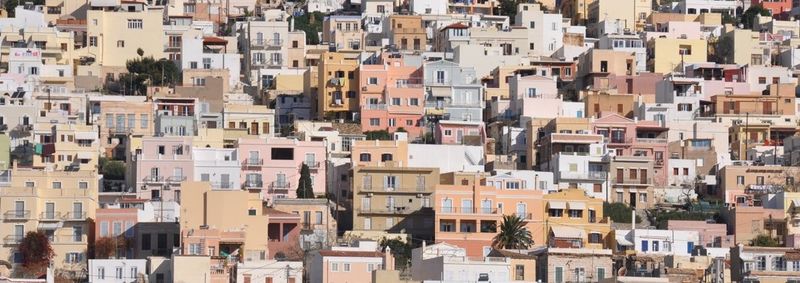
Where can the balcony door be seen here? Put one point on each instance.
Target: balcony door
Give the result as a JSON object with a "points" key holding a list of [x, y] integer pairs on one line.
{"points": [[19, 209], [49, 210], [486, 206], [77, 210]]}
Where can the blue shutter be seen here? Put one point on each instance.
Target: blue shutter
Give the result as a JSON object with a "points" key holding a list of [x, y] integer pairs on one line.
{"points": [[689, 247], [644, 245]]}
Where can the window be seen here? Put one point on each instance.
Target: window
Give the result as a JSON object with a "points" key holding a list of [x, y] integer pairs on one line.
{"points": [[440, 77], [144, 121], [118, 273], [601, 273], [740, 180], [555, 212], [761, 263], [532, 25], [448, 132], [595, 238], [134, 272], [519, 272], [120, 43], [135, 24], [346, 267], [374, 121], [334, 267], [559, 274], [29, 184], [413, 102], [386, 157], [145, 242], [282, 153], [372, 81], [101, 273], [56, 185], [656, 246], [206, 63], [395, 101], [365, 157], [93, 41], [575, 213]]}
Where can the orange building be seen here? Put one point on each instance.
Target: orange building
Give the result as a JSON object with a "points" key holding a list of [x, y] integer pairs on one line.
{"points": [[470, 209], [408, 32]]}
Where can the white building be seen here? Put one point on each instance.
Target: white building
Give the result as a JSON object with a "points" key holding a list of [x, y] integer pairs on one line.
{"points": [[449, 263], [537, 180], [28, 62], [276, 271], [448, 158], [696, 7], [218, 166], [117, 270], [628, 43], [545, 30], [585, 170], [429, 7], [200, 51], [661, 242], [761, 77]]}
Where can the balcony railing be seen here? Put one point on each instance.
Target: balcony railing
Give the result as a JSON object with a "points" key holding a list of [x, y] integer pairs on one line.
{"points": [[313, 165], [250, 185], [651, 140], [12, 239], [524, 215], [267, 43], [764, 189], [222, 185], [51, 216], [75, 215], [253, 162], [176, 179], [280, 187], [17, 215], [395, 189], [153, 179], [633, 181], [385, 210], [591, 175], [468, 210]]}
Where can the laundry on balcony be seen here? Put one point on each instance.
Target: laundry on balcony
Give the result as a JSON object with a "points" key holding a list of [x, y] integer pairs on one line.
{"points": [[44, 149]]}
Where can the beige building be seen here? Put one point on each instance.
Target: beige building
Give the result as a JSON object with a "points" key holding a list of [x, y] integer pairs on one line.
{"points": [[65, 146], [408, 32], [57, 203], [394, 199], [221, 222], [114, 36], [343, 32]]}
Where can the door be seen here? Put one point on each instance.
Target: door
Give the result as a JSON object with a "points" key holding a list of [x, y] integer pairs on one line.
{"points": [[643, 176], [447, 205], [486, 206], [281, 179], [49, 210], [459, 136], [521, 211], [633, 200], [19, 232], [225, 180], [77, 210], [19, 209], [466, 206], [767, 107]]}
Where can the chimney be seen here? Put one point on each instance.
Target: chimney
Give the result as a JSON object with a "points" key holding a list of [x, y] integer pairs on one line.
{"points": [[388, 259]]}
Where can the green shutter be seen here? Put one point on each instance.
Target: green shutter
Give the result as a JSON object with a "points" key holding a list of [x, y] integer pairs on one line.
{"points": [[559, 274]]}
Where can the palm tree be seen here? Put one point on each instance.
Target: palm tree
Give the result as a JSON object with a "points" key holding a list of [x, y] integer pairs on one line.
{"points": [[513, 234]]}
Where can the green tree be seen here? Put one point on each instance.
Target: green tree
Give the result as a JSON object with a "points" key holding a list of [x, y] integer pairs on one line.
{"points": [[619, 212], [513, 234], [304, 185], [509, 8], [106, 247], [140, 52], [383, 135], [400, 250], [146, 71], [311, 24], [36, 253], [749, 16], [764, 241], [113, 170], [9, 6]]}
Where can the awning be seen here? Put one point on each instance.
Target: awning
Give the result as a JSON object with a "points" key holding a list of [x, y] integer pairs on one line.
{"points": [[557, 204], [577, 205], [49, 225], [622, 240], [441, 91], [567, 232], [85, 136], [796, 203], [85, 155]]}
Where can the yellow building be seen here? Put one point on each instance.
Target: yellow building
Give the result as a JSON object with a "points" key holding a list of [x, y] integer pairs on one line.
{"points": [[575, 220], [630, 14], [337, 85], [64, 146], [57, 47], [57, 203], [379, 153], [243, 121], [671, 54], [114, 36]]}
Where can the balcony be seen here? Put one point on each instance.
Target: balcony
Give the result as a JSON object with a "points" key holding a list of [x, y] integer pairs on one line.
{"points": [[587, 176], [253, 185], [13, 239], [172, 46], [280, 187], [252, 162], [524, 215], [17, 215], [646, 181], [75, 216], [119, 131], [176, 180], [313, 165], [153, 180], [222, 185], [266, 43], [68, 239], [51, 216], [764, 189], [267, 63], [396, 189], [397, 210], [468, 210]]}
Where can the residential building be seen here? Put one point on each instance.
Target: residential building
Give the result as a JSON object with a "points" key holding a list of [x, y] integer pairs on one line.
{"points": [[337, 87], [575, 220], [272, 167], [667, 55], [455, 92], [318, 226], [712, 235], [408, 33], [545, 30], [162, 164], [392, 94], [351, 264], [444, 262], [573, 265], [657, 242], [65, 146], [117, 270], [764, 264]]}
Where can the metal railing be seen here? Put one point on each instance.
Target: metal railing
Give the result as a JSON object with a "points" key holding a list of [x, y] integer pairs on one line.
{"points": [[153, 179], [75, 215], [17, 215], [50, 216], [633, 181], [12, 239], [253, 184], [312, 164], [386, 210], [651, 140], [176, 179], [468, 210], [591, 175], [267, 42], [254, 162], [222, 185]]}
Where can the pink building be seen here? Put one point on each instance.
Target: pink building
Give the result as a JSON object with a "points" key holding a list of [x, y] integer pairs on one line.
{"points": [[711, 234], [460, 132], [162, 164], [392, 94], [636, 138], [283, 233], [273, 165], [115, 222]]}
